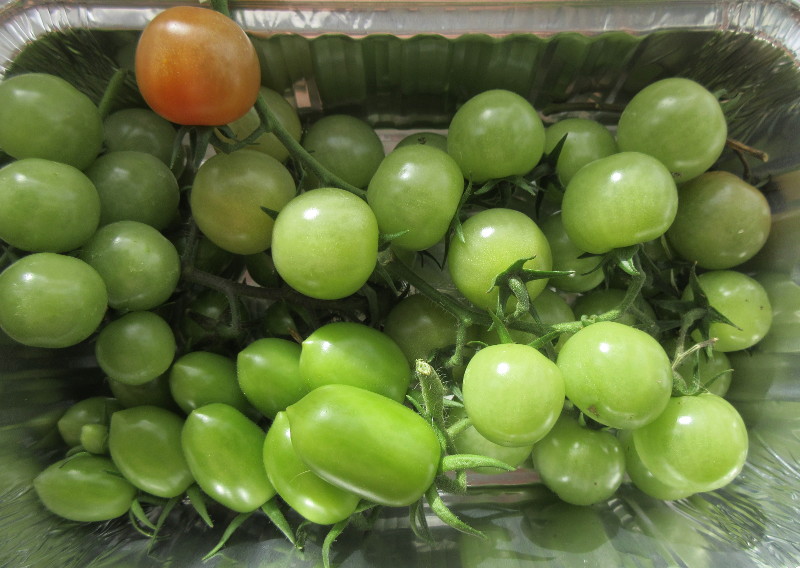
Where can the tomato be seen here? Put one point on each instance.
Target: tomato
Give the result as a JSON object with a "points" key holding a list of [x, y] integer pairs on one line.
{"points": [[470, 441], [142, 130], [355, 354], [415, 189], [365, 443], [268, 371], [722, 221], [424, 138], [677, 121], [742, 300], [698, 443], [521, 381], [784, 298], [494, 239], [151, 393], [224, 451], [51, 300], [92, 410], [586, 140], [145, 445], [304, 491], [198, 378], [261, 269], [138, 264], [85, 488], [495, 134], [602, 300], [617, 201], [325, 243], [566, 256], [44, 116], [616, 374], [196, 66], [347, 146], [419, 327], [642, 478], [46, 206], [580, 465], [228, 194], [135, 186], [135, 348]]}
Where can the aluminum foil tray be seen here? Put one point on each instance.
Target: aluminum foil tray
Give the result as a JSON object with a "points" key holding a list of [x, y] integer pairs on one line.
{"points": [[408, 65]]}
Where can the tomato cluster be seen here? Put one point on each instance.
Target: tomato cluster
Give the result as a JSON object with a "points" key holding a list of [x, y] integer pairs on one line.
{"points": [[292, 320]]}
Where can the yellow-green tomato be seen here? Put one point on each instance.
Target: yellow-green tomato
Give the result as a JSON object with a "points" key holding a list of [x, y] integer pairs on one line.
{"points": [[224, 451], [145, 445], [303, 490], [512, 393]]}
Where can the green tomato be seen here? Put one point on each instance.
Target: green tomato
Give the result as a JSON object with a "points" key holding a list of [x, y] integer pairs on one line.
{"points": [[495, 134], [44, 116], [494, 239], [419, 327], [228, 194], [424, 138], [642, 478], [138, 264], [142, 130], [151, 393], [145, 445], [722, 221], [304, 491], [355, 354], [586, 140], [714, 367], [566, 256], [698, 443], [319, 254], [224, 451], [268, 371], [580, 465], [135, 348], [677, 121], [470, 441], [365, 443], [51, 300], [616, 374], [416, 189], [617, 201], [602, 300], [92, 410], [94, 438], [512, 393], [85, 488], [46, 206], [784, 298], [198, 378]]}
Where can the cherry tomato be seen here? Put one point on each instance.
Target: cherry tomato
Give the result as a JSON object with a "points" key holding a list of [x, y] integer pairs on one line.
{"points": [[566, 256], [419, 327], [268, 371], [151, 393], [470, 441], [142, 130], [424, 138], [784, 298], [91, 410], [198, 378], [196, 66], [642, 478], [586, 140], [602, 300]]}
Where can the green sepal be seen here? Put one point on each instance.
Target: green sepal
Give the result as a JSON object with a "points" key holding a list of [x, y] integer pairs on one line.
{"points": [[441, 510], [461, 462], [198, 503], [237, 521], [276, 516]]}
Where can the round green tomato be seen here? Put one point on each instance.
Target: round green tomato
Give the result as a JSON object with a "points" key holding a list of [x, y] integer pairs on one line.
{"points": [[198, 378], [224, 451], [617, 201], [642, 478], [494, 239], [698, 443], [261, 269], [616, 374], [139, 265], [228, 194], [415, 189], [784, 297], [470, 441], [142, 130], [268, 371], [586, 140], [325, 243], [677, 121], [94, 438], [722, 221], [267, 143], [580, 465], [304, 491], [135, 348], [85, 488], [135, 186], [347, 146], [602, 300], [145, 445], [92, 410], [357, 355], [566, 256], [365, 443], [419, 327], [44, 116], [495, 134], [424, 138], [46, 206], [51, 300], [512, 393], [742, 300], [151, 393]]}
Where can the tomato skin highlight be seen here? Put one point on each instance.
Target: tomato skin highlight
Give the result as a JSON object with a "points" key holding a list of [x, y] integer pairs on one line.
{"points": [[365, 443], [195, 66]]}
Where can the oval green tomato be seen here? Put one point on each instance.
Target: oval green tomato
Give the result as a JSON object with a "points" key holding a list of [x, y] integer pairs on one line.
{"points": [[224, 451], [365, 443], [85, 488], [145, 445], [92, 410], [358, 355], [304, 491], [198, 378]]}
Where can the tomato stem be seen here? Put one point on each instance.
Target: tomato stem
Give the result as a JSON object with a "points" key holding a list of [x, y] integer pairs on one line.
{"points": [[112, 91]]}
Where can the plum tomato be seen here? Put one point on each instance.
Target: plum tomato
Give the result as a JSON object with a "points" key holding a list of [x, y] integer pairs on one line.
{"points": [[198, 378], [268, 371]]}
